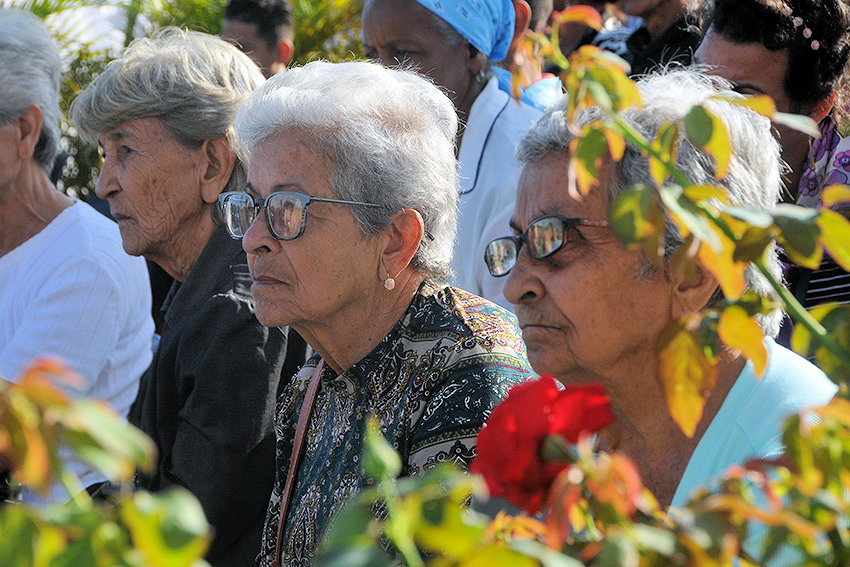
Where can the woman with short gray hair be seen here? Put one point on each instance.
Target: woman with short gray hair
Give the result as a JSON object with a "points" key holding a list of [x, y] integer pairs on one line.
{"points": [[163, 114], [348, 220], [591, 311]]}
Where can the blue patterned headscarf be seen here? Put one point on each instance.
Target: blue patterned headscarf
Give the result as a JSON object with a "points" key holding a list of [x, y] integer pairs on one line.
{"points": [[486, 24]]}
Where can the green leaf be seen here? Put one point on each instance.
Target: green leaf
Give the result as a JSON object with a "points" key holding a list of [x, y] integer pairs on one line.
{"points": [[353, 557], [799, 234], [588, 151], [169, 528], [17, 534], [752, 244], [705, 130], [619, 551], [380, 461], [836, 321], [353, 526], [659, 540], [835, 236], [637, 221], [547, 557], [666, 146], [688, 216]]}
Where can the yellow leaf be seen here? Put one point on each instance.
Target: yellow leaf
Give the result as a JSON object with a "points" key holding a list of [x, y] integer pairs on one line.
{"points": [[686, 374], [835, 194], [580, 14], [700, 193], [729, 273], [665, 146], [835, 236], [740, 331], [762, 104]]}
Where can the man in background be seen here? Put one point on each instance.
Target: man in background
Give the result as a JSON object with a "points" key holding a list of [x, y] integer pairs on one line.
{"points": [[262, 29]]}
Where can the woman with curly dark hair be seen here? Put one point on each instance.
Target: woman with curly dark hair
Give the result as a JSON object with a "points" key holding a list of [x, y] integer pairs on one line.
{"points": [[796, 51]]}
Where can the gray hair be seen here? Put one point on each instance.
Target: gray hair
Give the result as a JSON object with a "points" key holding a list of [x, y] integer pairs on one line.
{"points": [[388, 133], [192, 81], [753, 178], [30, 72]]}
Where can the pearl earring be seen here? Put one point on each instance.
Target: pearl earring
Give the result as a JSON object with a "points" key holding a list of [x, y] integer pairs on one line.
{"points": [[389, 283]]}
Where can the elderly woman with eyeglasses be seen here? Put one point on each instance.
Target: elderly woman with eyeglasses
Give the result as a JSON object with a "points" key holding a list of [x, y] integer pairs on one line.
{"points": [[163, 115], [348, 219], [591, 310]]}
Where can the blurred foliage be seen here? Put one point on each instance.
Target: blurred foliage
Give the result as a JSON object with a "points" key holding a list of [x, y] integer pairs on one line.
{"points": [[127, 529]]}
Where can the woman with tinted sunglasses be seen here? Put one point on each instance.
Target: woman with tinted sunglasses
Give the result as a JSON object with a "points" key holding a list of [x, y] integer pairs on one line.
{"points": [[348, 219], [592, 311]]}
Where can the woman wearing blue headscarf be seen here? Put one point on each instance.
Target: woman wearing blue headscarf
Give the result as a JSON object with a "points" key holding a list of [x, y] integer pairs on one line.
{"points": [[454, 42]]}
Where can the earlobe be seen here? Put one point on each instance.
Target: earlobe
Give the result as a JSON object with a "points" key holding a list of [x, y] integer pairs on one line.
{"points": [[403, 237], [219, 159]]}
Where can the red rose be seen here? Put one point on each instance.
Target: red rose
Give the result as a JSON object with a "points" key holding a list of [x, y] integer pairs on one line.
{"points": [[509, 443]]}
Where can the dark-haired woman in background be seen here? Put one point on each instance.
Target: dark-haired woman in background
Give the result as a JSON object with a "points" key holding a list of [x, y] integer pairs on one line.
{"points": [[795, 51]]}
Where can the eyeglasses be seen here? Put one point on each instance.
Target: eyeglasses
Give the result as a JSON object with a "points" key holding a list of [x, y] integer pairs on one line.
{"points": [[286, 212], [543, 237]]}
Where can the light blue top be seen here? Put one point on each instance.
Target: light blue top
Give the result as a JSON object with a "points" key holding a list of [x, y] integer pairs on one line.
{"points": [[749, 424]]}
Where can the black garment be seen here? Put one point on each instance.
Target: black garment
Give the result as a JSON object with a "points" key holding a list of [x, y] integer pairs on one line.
{"points": [[208, 399], [676, 45]]}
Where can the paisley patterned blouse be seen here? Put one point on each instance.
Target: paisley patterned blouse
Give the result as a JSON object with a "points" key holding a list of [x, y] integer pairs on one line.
{"points": [[431, 382]]}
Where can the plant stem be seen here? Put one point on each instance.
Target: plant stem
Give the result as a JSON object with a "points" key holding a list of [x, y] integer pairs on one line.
{"points": [[803, 317]]}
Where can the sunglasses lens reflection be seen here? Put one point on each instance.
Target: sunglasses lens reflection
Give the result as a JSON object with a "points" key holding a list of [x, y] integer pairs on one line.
{"points": [[545, 236], [500, 256]]}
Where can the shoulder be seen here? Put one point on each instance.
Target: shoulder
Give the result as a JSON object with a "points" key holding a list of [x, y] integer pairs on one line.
{"points": [[480, 342]]}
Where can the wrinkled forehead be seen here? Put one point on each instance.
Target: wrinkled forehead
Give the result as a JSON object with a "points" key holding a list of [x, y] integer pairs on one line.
{"points": [[545, 188]]}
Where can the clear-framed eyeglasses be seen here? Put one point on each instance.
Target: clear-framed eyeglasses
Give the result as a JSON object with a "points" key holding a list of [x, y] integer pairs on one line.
{"points": [[543, 237]]}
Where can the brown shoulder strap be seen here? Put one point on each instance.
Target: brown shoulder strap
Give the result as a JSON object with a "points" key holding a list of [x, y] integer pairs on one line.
{"points": [[297, 449]]}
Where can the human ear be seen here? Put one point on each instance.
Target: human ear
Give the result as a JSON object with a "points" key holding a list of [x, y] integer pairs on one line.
{"points": [[403, 236], [28, 131], [822, 108], [693, 286], [523, 16], [218, 161], [285, 51]]}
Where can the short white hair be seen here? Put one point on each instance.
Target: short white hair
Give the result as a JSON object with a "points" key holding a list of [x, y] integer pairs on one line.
{"points": [[30, 73], [754, 175], [192, 81], [389, 135]]}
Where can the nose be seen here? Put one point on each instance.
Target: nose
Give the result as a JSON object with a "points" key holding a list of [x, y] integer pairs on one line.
{"points": [[523, 285], [107, 180], [258, 240]]}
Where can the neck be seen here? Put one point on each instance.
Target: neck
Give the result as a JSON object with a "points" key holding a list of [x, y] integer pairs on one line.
{"points": [[647, 434], [27, 205], [349, 335], [659, 19], [180, 255], [463, 105]]}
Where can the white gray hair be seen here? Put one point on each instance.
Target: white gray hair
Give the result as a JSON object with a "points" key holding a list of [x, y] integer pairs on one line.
{"points": [[753, 178], [30, 72], [192, 81], [389, 135]]}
